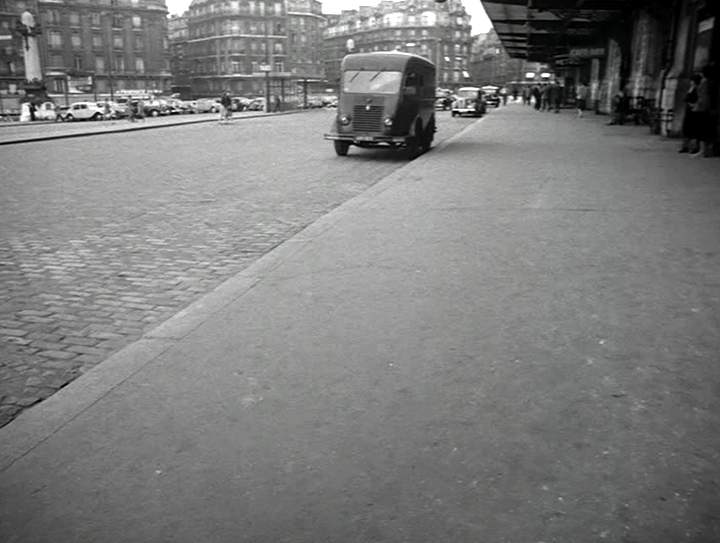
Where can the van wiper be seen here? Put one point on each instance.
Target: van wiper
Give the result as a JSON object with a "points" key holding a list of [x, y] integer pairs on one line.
{"points": [[373, 77], [353, 77]]}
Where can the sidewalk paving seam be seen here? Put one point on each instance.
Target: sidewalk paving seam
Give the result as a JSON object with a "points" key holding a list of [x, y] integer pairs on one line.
{"points": [[37, 424]]}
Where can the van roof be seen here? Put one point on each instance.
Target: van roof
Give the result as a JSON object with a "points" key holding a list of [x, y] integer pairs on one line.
{"points": [[382, 60]]}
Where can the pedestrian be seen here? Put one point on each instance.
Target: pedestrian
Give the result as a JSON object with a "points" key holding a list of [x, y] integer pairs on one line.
{"points": [[225, 105], [690, 142], [504, 95], [33, 109], [704, 125], [140, 110], [537, 97], [581, 94], [526, 92], [619, 108], [554, 97], [545, 97], [106, 110], [132, 110]]}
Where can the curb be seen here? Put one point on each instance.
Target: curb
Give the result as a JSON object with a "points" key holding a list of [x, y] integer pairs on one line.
{"points": [[134, 128]]}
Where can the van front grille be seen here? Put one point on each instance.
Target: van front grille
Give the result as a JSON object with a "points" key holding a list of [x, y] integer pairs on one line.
{"points": [[367, 119]]}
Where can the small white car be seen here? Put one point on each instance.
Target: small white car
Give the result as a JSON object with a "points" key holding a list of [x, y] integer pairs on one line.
{"points": [[83, 111]]}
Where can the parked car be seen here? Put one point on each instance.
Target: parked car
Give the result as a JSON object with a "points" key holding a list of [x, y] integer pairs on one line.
{"points": [[117, 110], [257, 104], [155, 107], [315, 102], [60, 112], [240, 103], [84, 111], [207, 105]]}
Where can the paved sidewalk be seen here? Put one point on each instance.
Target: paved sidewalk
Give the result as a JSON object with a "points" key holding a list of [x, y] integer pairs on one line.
{"points": [[513, 338]]}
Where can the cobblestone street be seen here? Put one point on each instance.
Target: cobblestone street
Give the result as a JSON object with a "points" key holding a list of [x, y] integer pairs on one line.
{"points": [[104, 237]]}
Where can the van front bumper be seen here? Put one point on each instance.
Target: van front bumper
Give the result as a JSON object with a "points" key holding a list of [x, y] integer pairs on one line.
{"points": [[365, 138]]}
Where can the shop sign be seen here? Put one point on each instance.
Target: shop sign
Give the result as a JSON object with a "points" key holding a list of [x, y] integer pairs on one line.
{"points": [[587, 52]]}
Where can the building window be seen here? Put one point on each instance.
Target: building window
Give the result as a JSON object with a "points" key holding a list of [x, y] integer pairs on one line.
{"points": [[100, 64], [117, 41], [97, 41], [139, 42], [77, 63], [119, 63], [117, 21], [74, 18], [140, 65], [54, 39], [279, 67], [52, 16], [76, 40], [137, 21], [95, 19], [56, 60]]}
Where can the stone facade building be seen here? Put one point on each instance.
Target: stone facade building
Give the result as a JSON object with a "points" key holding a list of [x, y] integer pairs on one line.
{"points": [[178, 42], [90, 46], [439, 32], [248, 46], [490, 64]]}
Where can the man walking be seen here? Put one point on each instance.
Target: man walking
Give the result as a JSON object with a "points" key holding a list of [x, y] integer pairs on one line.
{"points": [[225, 105]]}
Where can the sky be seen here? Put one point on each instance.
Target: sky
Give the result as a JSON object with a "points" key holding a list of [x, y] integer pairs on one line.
{"points": [[480, 22]]}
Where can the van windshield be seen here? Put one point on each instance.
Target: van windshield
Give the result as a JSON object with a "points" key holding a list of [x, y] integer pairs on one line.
{"points": [[371, 81]]}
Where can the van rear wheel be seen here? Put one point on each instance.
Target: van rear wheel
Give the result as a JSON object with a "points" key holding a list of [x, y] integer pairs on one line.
{"points": [[428, 135], [341, 147]]}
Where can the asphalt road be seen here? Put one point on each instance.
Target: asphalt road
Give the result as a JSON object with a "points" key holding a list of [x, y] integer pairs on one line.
{"points": [[103, 237]]}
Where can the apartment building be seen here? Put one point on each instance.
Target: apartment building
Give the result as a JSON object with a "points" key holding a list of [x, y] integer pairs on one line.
{"points": [[247, 46], [439, 32]]}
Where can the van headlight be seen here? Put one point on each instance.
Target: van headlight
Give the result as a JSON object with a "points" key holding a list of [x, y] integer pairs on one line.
{"points": [[388, 121], [345, 120]]}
